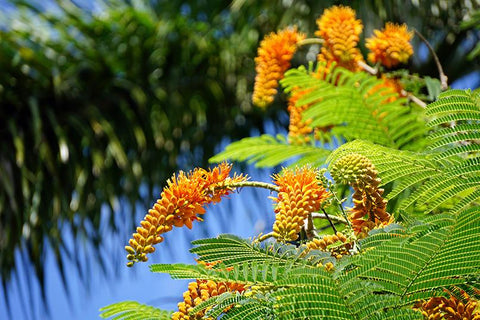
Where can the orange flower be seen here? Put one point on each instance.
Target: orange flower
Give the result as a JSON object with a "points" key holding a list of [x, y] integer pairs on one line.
{"points": [[337, 244], [369, 209], [340, 31], [387, 87], [274, 55], [299, 129], [391, 46], [185, 196], [453, 308], [199, 291], [300, 194]]}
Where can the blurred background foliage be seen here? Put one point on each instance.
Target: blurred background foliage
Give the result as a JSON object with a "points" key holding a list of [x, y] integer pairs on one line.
{"points": [[102, 99]]}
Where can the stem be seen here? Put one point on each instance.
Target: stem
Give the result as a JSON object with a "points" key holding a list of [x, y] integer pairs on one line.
{"points": [[367, 68], [264, 237], [309, 230], [414, 99], [331, 223], [374, 72], [255, 184], [310, 41], [336, 219], [443, 77]]}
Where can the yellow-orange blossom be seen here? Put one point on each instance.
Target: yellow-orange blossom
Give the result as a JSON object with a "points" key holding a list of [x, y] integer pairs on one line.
{"points": [[185, 196], [340, 30], [273, 59], [390, 46], [299, 195]]}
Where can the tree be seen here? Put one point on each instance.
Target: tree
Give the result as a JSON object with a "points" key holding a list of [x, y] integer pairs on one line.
{"points": [[399, 256]]}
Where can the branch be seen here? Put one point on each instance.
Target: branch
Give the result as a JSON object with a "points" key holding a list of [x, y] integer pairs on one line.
{"points": [[414, 99], [255, 184], [264, 237], [310, 41], [367, 68], [374, 72], [443, 77], [317, 215]]}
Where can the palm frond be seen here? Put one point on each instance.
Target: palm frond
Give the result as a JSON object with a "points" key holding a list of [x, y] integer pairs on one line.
{"points": [[132, 310], [269, 151]]}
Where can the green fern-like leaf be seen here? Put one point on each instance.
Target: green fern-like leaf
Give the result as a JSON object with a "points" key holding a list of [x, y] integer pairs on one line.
{"points": [[395, 268], [253, 309], [447, 173], [242, 251], [431, 182], [132, 310], [445, 254], [247, 273], [268, 151], [350, 102]]}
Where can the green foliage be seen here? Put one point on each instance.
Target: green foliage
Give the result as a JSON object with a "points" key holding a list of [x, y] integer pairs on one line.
{"points": [[345, 100], [356, 107], [131, 310], [473, 22], [93, 101], [393, 270], [446, 173], [268, 151]]}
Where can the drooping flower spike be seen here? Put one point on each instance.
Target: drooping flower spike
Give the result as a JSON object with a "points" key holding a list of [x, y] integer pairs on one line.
{"points": [[390, 46], [180, 203], [369, 209], [299, 130], [273, 59], [340, 30], [199, 291]]}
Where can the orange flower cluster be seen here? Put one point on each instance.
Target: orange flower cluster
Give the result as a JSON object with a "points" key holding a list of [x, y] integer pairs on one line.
{"points": [[199, 291], [387, 87], [185, 196], [300, 194], [369, 209], [437, 308], [390, 46], [340, 30], [299, 130], [337, 244], [274, 55]]}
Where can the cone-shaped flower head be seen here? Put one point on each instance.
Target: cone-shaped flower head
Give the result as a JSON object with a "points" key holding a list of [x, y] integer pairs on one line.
{"points": [[369, 209], [300, 193], [184, 197], [273, 59], [340, 30], [353, 169], [390, 46]]}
